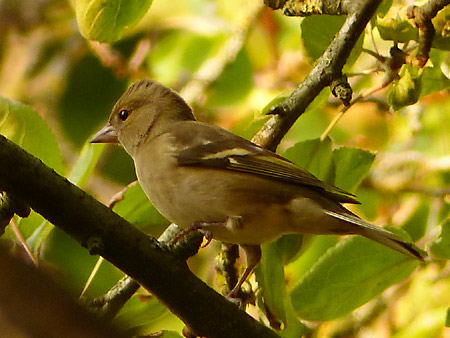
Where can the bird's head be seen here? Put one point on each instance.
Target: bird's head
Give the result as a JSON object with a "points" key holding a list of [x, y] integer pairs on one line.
{"points": [[143, 111]]}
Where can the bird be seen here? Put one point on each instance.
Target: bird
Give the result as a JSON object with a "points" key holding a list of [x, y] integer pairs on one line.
{"points": [[201, 176]]}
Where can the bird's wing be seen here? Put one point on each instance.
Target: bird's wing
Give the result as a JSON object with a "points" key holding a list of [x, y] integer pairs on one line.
{"points": [[240, 155]]}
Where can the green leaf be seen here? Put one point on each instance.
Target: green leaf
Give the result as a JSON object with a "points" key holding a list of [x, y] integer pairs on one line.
{"points": [[293, 328], [22, 125], [85, 164], [270, 276], [313, 155], [440, 248], [433, 78], [137, 209], [108, 20], [406, 91], [315, 246], [313, 122], [352, 166], [416, 224], [440, 22], [139, 311], [289, 246], [346, 277], [170, 334], [316, 41], [398, 29], [275, 102], [384, 7]]}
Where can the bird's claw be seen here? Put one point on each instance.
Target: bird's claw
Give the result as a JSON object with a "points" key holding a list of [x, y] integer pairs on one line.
{"points": [[200, 226]]}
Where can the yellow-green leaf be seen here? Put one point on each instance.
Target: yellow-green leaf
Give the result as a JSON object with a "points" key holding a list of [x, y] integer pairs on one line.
{"points": [[108, 20]]}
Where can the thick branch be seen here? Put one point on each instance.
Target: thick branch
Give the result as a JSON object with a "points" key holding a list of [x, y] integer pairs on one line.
{"points": [[103, 232], [311, 7], [328, 68]]}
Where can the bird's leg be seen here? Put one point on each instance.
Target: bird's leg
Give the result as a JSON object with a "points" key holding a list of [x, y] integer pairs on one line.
{"points": [[252, 252], [253, 256]]}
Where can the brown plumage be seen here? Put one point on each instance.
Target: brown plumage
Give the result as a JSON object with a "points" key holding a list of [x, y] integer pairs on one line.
{"points": [[205, 176]]}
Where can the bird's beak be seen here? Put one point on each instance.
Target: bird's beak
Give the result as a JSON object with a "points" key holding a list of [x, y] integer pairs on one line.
{"points": [[106, 135]]}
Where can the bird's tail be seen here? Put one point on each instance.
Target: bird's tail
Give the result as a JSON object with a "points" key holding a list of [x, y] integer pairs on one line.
{"points": [[378, 234]]}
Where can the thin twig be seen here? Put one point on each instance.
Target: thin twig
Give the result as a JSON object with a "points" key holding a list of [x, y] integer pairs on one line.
{"points": [[23, 242], [346, 108], [91, 276]]}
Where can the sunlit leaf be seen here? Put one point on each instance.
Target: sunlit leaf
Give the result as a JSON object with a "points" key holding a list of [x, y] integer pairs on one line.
{"points": [[440, 23], [398, 29], [270, 276], [314, 248], [436, 77], [22, 125], [170, 334], [440, 248], [348, 276], [352, 166], [313, 155], [140, 311], [85, 164], [415, 225], [406, 90], [137, 209], [108, 20]]}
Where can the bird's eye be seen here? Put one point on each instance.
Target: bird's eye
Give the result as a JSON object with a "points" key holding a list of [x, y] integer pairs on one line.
{"points": [[123, 114]]}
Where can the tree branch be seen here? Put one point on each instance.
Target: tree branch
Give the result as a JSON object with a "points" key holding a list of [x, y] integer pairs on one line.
{"points": [[422, 17], [141, 257], [311, 7], [327, 69]]}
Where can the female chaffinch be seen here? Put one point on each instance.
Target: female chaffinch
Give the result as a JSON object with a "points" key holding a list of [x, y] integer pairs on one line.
{"points": [[204, 177]]}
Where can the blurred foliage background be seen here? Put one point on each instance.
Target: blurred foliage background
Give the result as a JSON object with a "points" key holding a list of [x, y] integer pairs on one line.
{"points": [[232, 60]]}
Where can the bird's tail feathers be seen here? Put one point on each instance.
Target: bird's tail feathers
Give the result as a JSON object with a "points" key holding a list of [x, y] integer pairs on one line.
{"points": [[378, 234]]}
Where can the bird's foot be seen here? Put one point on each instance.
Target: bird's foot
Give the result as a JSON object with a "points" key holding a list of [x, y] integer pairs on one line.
{"points": [[197, 226]]}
